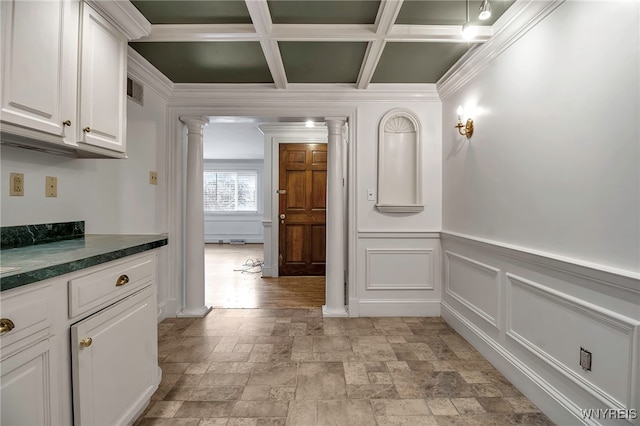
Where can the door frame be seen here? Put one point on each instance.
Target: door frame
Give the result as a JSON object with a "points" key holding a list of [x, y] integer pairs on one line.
{"points": [[171, 297], [274, 135]]}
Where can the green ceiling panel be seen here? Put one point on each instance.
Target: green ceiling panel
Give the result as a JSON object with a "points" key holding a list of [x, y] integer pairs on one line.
{"points": [[322, 62], [417, 62], [323, 11], [448, 12], [194, 12], [208, 62]]}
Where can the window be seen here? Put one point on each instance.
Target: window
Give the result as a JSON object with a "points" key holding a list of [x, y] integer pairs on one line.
{"points": [[231, 191]]}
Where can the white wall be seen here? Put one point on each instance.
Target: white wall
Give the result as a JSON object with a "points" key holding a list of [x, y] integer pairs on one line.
{"points": [[554, 163], [541, 210], [110, 195], [226, 226]]}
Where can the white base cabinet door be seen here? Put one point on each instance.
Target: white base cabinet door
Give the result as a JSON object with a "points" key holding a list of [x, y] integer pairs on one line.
{"points": [[114, 361], [25, 388]]}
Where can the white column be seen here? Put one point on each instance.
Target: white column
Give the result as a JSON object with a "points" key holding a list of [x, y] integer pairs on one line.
{"points": [[194, 236], [336, 242]]}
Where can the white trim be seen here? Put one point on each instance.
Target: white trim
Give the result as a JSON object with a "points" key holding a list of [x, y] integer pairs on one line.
{"points": [[323, 32], [395, 308], [619, 278], [201, 32], [488, 269], [549, 399], [142, 70], [398, 234], [610, 318], [369, 286], [436, 33], [398, 208], [517, 20], [124, 16]]}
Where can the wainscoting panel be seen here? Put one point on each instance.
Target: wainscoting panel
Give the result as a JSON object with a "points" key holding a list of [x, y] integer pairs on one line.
{"points": [[399, 269], [474, 284], [545, 309], [398, 275], [233, 227], [562, 326]]}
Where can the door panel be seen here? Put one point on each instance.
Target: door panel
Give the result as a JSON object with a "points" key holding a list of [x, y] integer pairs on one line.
{"points": [[302, 241]]}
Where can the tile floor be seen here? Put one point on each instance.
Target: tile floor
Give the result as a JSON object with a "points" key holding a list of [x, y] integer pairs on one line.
{"points": [[253, 367]]}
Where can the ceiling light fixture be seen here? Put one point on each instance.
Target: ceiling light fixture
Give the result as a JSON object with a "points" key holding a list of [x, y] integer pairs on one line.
{"points": [[309, 123], [468, 31], [485, 10], [468, 127]]}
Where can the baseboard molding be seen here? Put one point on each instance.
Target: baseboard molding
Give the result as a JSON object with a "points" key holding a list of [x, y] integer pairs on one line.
{"points": [[395, 308], [550, 400]]}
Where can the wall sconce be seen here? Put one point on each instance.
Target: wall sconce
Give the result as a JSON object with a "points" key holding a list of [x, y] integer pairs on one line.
{"points": [[468, 128]]}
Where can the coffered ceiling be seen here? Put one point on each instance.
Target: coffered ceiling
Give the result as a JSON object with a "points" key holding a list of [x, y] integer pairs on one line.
{"points": [[288, 42]]}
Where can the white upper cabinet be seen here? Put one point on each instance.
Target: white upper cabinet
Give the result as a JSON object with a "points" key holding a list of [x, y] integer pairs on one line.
{"points": [[102, 84], [39, 50]]}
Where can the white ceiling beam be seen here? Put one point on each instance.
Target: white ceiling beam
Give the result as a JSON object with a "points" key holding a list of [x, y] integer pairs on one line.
{"points": [[261, 18], [387, 14], [201, 32], [437, 33], [323, 32]]}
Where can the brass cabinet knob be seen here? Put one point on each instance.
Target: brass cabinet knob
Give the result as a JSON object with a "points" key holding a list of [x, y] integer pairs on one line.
{"points": [[122, 280], [6, 325], [67, 123], [87, 129], [86, 342]]}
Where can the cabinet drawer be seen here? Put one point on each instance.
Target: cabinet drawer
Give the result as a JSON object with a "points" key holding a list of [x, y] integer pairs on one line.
{"points": [[109, 285], [28, 310]]}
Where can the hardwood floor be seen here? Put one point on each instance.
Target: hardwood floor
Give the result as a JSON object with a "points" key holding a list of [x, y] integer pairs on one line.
{"points": [[231, 284]]}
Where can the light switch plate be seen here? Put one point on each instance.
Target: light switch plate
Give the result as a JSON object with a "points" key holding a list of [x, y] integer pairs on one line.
{"points": [[153, 178], [51, 186], [371, 195]]}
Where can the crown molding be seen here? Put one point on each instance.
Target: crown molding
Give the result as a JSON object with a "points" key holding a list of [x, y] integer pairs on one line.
{"points": [[124, 15], [519, 19], [243, 94], [142, 70]]}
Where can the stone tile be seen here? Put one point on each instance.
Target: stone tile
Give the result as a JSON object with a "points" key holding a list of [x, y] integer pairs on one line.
{"points": [[221, 421], [450, 421], [495, 405], [260, 409], [173, 367], [170, 422], [442, 407], [474, 376], [372, 392], [302, 413], [278, 374], [202, 409], [197, 368], [224, 379], [284, 393], [331, 344], [351, 412], [407, 421], [163, 409], [446, 384], [380, 378], [321, 380], [400, 407], [256, 393], [355, 373], [408, 391], [257, 421], [522, 405], [302, 344], [466, 406], [485, 390], [215, 393]]}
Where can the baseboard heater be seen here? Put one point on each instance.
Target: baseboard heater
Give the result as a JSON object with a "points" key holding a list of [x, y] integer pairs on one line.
{"points": [[237, 241]]}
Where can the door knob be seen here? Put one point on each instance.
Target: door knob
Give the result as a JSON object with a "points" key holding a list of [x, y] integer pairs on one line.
{"points": [[282, 216], [86, 342]]}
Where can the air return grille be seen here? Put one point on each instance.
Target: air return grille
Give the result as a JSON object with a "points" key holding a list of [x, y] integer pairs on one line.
{"points": [[135, 91]]}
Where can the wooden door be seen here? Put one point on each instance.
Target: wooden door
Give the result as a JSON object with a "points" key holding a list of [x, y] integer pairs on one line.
{"points": [[303, 200]]}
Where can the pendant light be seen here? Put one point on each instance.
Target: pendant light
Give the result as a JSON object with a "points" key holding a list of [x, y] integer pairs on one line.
{"points": [[485, 10]]}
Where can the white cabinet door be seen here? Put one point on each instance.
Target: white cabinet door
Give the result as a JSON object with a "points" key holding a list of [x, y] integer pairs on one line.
{"points": [[25, 388], [39, 54], [116, 371], [102, 83]]}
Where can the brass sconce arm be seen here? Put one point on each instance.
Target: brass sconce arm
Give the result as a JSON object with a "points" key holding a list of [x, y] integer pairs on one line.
{"points": [[468, 128]]}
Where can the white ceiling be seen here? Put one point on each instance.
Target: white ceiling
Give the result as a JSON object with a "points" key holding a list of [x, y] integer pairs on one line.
{"points": [[233, 141]]}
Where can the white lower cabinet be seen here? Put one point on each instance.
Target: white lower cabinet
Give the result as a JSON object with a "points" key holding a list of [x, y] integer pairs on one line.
{"points": [[114, 366], [25, 388]]}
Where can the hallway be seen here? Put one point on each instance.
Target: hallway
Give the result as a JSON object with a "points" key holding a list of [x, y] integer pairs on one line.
{"points": [[227, 286], [251, 367]]}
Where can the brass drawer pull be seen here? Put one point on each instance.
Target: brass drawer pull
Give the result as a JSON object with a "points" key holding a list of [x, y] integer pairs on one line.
{"points": [[6, 325], [87, 129], [86, 342], [122, 280], [67, 123]]}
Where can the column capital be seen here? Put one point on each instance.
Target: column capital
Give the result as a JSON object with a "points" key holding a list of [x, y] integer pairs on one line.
{"points": [[335, 124], [195, 123]]}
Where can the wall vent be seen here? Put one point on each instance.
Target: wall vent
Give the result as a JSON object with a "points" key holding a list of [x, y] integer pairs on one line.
{"points": [[135, 91]]}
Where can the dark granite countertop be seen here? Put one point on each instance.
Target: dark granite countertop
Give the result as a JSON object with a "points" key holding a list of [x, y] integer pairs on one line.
{"points": [[29, 264]]}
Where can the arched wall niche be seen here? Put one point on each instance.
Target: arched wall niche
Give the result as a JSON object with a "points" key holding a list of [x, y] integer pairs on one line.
{"points": [[399, 163]]}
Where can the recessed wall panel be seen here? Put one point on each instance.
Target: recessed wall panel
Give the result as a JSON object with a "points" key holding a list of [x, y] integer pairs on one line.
{"points": [[399, 269]]}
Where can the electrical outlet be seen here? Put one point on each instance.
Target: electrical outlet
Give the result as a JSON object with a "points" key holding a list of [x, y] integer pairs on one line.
{"points": [[16, 184], [585, 359], [153, 178], [51, 186], [371, 195]]}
